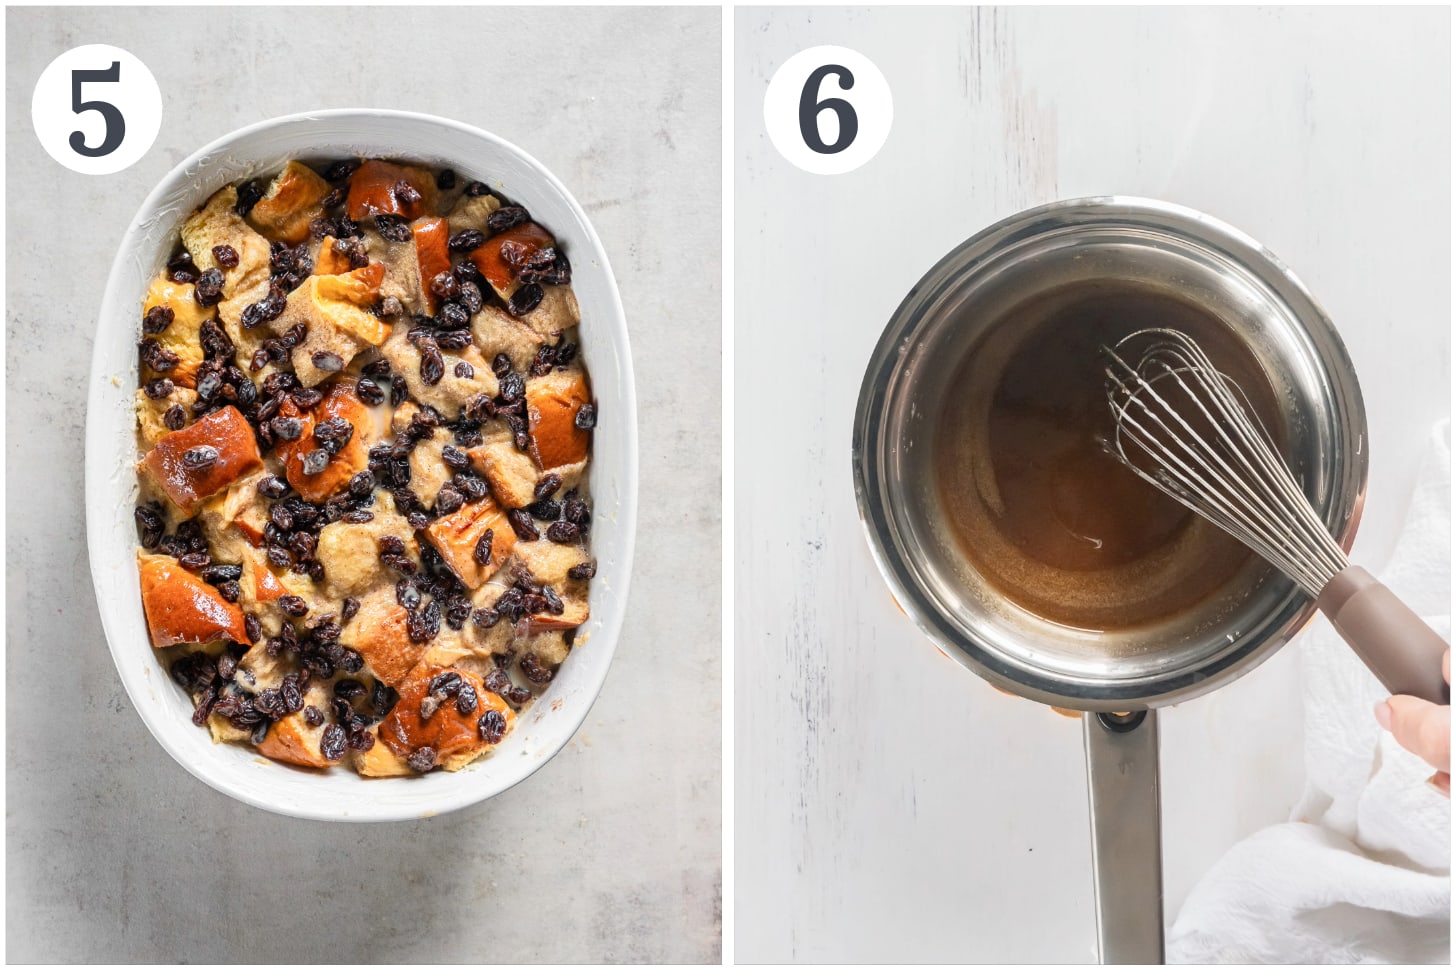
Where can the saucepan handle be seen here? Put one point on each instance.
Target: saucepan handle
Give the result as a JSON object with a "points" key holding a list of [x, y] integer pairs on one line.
{"points": [[1127, 853], [1392, 640]]}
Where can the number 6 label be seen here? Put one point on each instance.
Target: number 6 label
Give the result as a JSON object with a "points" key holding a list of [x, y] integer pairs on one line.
{"points": [[828, 110], [96, 109]]}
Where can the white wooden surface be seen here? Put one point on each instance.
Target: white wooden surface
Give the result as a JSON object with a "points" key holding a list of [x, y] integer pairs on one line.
{"points": [[889, 806]]}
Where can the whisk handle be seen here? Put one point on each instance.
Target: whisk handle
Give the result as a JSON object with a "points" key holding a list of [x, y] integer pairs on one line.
{"points": [[1398, 647]]}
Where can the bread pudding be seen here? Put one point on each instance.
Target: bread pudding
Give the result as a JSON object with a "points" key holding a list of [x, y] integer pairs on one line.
{"points": [[363, 431]]}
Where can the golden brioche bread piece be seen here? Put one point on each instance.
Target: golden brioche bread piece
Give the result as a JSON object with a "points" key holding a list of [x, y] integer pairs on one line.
{"points": [[204, 458], [556, 314], [181, 608], [454, 739], [552, 403], [500, 258], [292, 739], [339, 401], [375, 189], [473, 212], [290, 204], [449, 395], [458, 535], [432, 255], [151, 414], [497, 332], [181, 336], [218, 224], [335, 309], [380, 633], [349, 552], [380, 762]]}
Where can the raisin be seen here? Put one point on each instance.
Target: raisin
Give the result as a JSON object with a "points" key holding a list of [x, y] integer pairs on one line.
{"points": [[525, 300], [543, 362], [560, 273], [306, 398], [315, 462], [159, 388], [293, 605], [360, 740], [253, 627], [384, 698], [482, 547], [454, 458], [157, 319], [333, 434], [174, 417], [432, 363], [406, 594], [407, 194], [523, 525], [208, 290], [333, 743], [534, 670], [454, 316], [486, 617], [477, 189], [150, 526], [445, 684], [390, 307], [547, 509], [513, 387], [467, 701], [351, 661], [248, 195], [391, 544], [507, 217], [466, 240], [393, 228], [221, 572], [341, 170], [348, 688], [576, 512], [492, 726], [444, 285], [362, 484], [226, 256], [272, 487], [181, 269], [422, 759], [369, 392], [583, 571], [554, 603], [215, 342], [157, 357], [586, 417], [547, 486], [563, 532], [313, 716], [292, 696], [201, 458], [423, 624], [351, 607], [448, 500], [269, 308]]}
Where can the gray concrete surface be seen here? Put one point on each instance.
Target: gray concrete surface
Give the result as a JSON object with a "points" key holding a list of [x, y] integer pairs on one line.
{"points": [[612, 851]]}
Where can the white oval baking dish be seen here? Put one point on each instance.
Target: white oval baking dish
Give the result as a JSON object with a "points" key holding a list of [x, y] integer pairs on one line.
{"points": [[111, 484]]}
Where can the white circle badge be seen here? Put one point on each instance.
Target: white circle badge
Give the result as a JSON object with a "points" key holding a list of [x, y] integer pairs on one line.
{"points": [[96, 109], [828, 110]]}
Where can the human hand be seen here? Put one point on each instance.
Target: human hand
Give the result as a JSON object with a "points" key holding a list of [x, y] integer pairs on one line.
{"points": [[1422, 729]]}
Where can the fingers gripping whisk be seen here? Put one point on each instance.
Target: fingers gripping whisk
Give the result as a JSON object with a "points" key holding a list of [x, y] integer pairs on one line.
{"points": [[1190, 431]]}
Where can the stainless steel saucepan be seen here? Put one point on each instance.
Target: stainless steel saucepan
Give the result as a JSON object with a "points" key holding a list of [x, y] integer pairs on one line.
{"points": [[1119, 679]]}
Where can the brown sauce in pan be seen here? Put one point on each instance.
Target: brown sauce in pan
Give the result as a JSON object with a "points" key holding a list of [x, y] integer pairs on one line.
{"points": [[1040, 509]]}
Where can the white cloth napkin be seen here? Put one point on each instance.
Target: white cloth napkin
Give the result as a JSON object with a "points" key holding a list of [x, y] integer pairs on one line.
{"points": [[1361, 874]]}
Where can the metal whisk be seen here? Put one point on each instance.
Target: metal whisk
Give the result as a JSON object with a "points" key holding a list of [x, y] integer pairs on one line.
{"points": [[1189, 430]]}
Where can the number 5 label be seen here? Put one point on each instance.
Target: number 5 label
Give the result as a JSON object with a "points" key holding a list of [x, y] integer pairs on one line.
{"points": [[828, 110], [96, 109]]}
